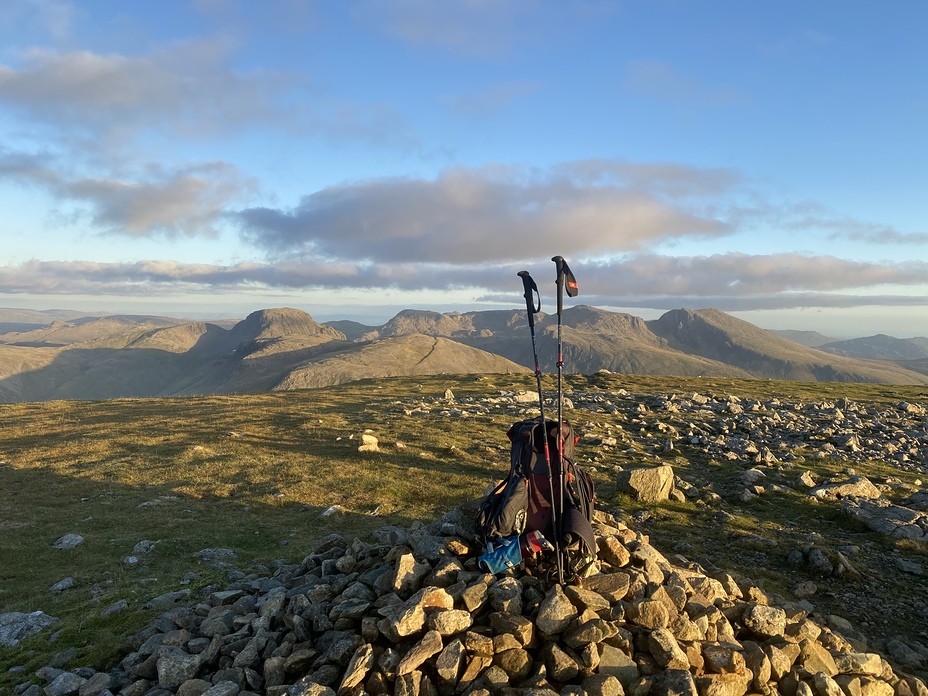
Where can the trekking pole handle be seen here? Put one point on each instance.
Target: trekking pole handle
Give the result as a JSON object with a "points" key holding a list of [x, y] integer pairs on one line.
{"points": [[531, 294], [559, 265]]}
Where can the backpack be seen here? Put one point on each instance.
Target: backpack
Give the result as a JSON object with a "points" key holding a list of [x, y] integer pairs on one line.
{"points": [[504, 512], [522, 502], [574, 493]]}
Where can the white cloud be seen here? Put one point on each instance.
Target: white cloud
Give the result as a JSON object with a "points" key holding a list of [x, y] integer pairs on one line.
{"points": [[491, 214], [188, 88], [738, 275], [186, 201]]}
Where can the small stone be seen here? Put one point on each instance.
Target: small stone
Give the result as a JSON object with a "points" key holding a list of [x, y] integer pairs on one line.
{"points": [[765, 621], [431, 644], [62, 585], [804, 590], [555, 612], [64, 684], [143, 547], [68, 541], [115, 608]]}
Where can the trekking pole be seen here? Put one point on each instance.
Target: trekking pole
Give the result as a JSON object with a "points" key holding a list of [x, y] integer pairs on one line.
{"points": [[531, 308], [564, 279]]}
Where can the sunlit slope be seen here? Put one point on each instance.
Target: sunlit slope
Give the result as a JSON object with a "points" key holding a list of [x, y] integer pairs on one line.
{"points": [[718, 336]]}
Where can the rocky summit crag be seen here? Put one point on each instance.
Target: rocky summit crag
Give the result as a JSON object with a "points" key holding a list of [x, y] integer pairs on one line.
{"points": [[409, 613]]}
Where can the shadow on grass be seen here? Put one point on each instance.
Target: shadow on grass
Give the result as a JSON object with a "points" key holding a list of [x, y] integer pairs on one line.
{"points": [[39, 507]]}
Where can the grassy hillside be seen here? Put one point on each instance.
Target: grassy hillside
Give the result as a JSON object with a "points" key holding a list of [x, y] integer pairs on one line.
{"points": [[718, 336], [254, 473]]}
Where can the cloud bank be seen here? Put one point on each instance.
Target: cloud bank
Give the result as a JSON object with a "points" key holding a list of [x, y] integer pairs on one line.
{"points": [[731, 282]]}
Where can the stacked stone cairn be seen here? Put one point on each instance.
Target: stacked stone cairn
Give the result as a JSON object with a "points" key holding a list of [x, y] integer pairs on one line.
{"points": [[409, 613]]}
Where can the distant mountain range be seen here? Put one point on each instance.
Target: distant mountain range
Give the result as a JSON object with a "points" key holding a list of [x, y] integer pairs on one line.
{"points": [[67, 356]]}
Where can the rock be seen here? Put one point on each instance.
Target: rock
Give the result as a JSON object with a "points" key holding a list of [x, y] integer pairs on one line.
{"points": [[556, 612], [176, 668], [116, 607], [403, 614], [666, 651], [613, 551], [450, 622], [910, 567], [516, 662], [361, 663], [857, 486], [815, 658], [64, 684], [143, 548], [806, 479], [673, 682], [223, 688], [819, 562], [560, 665], [804, 590], [209, 555], [859, 663], [616, 663], [62, 585], [765, 622], [612, 586], [526, 397], [728, 684], [68, 541], [904, 655], [882, 516], [647, 485], [369, 442], [17, 626], [431, 644], [166, 600]]}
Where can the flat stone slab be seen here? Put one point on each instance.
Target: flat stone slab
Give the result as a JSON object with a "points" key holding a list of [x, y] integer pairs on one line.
{"points": [[16, 626]]}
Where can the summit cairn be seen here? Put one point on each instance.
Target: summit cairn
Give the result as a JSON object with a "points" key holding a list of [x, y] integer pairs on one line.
{"points": [[408, 612]]}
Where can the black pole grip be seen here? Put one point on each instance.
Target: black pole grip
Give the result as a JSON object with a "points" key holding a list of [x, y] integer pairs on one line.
{"points": [[559, 264], [531, 292]]}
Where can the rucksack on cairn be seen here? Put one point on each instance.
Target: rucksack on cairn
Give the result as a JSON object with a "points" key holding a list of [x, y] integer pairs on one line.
{"points": [[524, 521]]}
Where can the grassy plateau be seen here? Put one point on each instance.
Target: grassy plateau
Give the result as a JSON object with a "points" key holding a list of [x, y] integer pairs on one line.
{"points": [[255, 472]]}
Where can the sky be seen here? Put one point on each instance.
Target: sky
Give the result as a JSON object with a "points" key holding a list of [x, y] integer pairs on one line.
{"points": [[209, 158]]}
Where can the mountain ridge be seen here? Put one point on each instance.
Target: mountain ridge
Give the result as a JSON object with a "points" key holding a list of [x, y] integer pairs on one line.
{"points": [[285, 348]]}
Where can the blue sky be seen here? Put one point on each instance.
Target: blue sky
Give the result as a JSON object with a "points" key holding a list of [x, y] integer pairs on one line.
{"points": [[212, 157]]}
